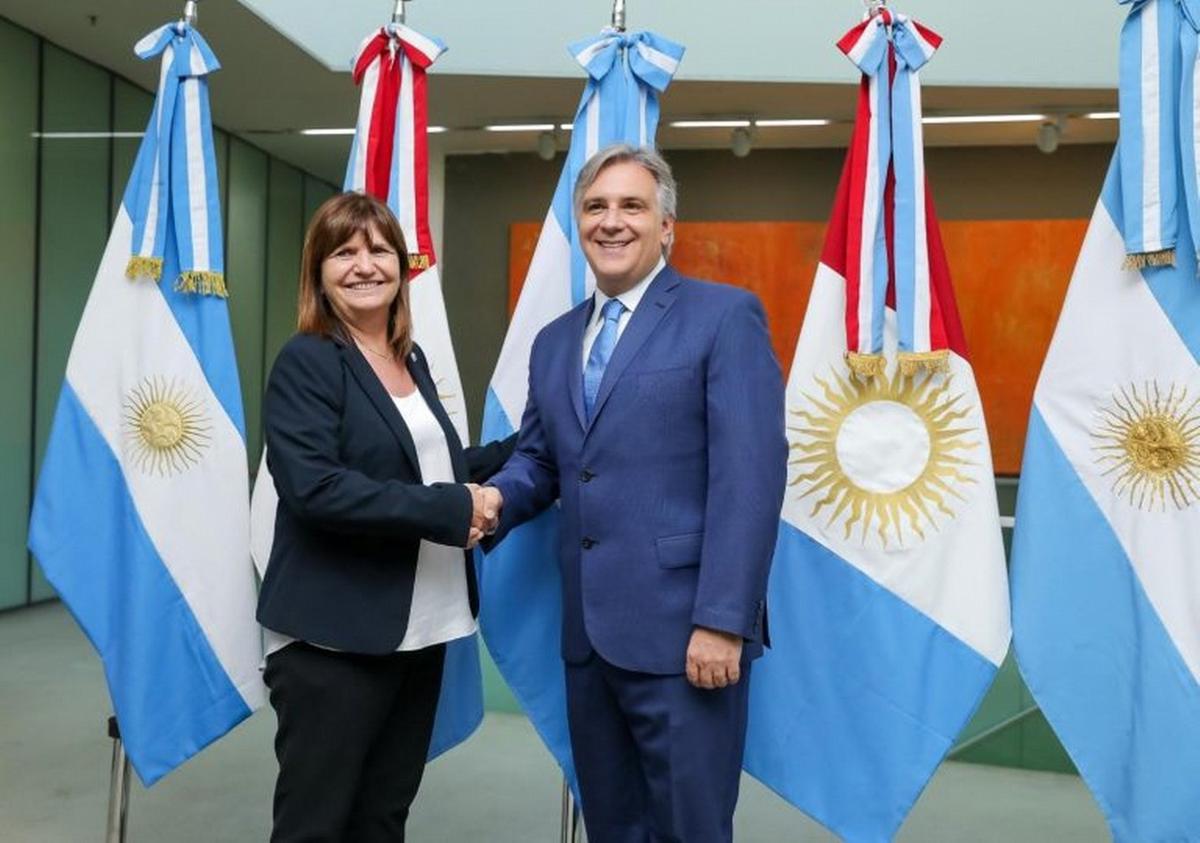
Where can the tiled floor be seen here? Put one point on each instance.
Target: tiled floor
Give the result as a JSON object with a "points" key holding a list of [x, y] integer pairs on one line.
{"points": [[500, 787]]}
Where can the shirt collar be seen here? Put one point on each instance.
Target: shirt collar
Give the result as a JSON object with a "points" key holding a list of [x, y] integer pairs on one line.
{"points": [[631, 297]]}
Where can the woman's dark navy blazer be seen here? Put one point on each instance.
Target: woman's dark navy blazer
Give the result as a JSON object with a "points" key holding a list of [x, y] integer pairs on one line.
{"points": [[352, 507]]}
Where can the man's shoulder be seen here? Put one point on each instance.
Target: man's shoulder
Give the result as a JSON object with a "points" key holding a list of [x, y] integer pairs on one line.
{"points": [[714, 295], [560, 326]]}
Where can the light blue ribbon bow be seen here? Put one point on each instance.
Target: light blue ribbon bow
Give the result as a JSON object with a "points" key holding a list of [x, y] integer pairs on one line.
{"points": [[174, 179], [897, 112], [626, 74], [1157, 151]]}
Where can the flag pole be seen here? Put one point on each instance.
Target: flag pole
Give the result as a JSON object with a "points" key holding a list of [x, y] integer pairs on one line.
{"points": [[570, 808], [118, 777], [570, 815], [118, 783], [399, 11], [190, 12]]}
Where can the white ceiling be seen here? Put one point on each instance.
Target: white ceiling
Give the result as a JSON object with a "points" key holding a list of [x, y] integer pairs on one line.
{"points": [[1028, 43], [269, 87]]}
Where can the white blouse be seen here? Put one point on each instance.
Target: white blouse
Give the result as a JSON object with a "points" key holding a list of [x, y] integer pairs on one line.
{"points": [[440, 610]]}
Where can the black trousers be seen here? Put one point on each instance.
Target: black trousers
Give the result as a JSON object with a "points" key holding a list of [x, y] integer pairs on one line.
{"points": [[352, 739]]}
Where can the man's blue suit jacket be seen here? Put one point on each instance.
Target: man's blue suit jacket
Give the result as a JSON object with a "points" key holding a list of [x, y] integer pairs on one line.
{"points": [[671, 495]]}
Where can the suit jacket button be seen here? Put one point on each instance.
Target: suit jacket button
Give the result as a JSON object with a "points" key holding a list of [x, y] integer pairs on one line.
{"points": [[588, 543], [586, 476]]}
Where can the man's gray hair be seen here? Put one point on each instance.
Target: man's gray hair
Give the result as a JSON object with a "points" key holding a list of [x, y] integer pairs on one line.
{"points": [[645, 157]]}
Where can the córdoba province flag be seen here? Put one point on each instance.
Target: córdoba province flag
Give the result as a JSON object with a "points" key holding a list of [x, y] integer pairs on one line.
{"points": [[888, 600]]}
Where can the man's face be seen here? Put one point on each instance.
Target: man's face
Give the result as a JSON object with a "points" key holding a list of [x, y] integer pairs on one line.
{"points": [[622, 226]]}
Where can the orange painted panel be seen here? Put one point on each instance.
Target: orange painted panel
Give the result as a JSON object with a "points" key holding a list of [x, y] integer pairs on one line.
{"points": [[1009, 277]]}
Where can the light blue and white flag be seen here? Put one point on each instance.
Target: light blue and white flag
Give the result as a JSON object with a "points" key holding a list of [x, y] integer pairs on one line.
{"points": [[1105, 577], [141, 516], [520, 582]]}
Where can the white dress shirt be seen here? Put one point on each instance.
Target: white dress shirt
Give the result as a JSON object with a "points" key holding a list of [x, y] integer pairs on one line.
{"points": [[630, 299]]}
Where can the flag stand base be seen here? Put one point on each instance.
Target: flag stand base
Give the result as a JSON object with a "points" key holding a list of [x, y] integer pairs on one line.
{"points": [[570, 816], [118, 787]]}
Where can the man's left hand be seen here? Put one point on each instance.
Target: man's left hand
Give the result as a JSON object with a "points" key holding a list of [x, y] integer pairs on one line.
{"points": [[714, 658]]}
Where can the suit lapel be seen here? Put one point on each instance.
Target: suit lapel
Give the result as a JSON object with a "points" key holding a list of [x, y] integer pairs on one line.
{"points": [[659, 297], [579, 323], [423, 378], [373, 387]]}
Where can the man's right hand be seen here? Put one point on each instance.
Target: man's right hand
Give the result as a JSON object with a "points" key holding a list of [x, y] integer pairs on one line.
{"points": [[485, 516]]}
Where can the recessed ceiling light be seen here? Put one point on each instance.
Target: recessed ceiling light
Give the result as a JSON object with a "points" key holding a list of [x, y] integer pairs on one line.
{"points": [[984, 118], [520, 127], [84, 135], [710, 124], [770, 124]]}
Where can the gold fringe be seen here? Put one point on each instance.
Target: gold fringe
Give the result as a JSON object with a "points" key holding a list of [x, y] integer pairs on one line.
{"points": [[140, 267], [865, 365], [203, 282], [934, 362], [1142, 260], [418, 261]]}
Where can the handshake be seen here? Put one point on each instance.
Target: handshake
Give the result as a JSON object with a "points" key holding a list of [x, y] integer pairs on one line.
{"points": [[485, 516]]}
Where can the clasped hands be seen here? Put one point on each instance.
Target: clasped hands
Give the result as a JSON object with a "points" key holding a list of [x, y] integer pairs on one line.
{"points": [[485, 512]]}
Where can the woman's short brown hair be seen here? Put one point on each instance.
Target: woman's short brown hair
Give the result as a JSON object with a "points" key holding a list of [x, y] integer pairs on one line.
{"points": [[336, 221]]}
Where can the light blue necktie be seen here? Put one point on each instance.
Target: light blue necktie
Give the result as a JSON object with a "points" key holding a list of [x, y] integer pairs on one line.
{"points": [[602, 349]]}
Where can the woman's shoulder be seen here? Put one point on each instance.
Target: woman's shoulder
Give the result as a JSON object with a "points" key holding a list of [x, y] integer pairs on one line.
{"points": [[308, 354], [310, 347]]}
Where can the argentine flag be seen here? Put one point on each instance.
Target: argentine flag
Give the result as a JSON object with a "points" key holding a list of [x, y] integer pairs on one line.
{"points": [[520, 584], [141, 516], [888, 599], [1106, 552], [389, 159]]}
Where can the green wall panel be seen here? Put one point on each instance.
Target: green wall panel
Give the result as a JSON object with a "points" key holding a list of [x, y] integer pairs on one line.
{"points": [[221, 153], [316, 191], [74, 223], [131, 112], [285, 238], [1040, 749], [18, 186], [245, 271], [1005, 700], [496, 694]]}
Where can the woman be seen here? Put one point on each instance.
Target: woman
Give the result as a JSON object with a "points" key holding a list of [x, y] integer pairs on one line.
{"points": [[367, 580]]}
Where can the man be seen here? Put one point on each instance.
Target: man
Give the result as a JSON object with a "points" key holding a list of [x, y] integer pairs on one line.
{"points": [[655, 414]]}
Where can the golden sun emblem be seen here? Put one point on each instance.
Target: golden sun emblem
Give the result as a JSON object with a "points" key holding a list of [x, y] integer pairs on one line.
{"points": [[1147, 443], [167, 427], [883, 452]]}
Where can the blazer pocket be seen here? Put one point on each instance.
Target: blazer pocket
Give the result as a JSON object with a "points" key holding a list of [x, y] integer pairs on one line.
{"points": [[679, 551]]}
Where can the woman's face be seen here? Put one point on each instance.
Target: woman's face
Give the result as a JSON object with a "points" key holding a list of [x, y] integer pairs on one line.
{"points": [[361, 277]]}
